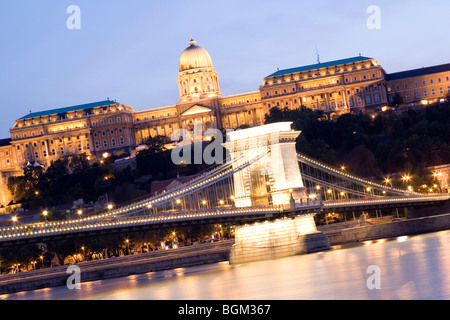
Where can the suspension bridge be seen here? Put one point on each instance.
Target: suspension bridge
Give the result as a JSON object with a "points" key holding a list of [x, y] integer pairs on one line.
{"points": [[263, 179]]}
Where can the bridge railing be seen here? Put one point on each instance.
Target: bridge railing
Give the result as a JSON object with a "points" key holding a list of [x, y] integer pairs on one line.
{"points": [[85, 224], [355, 179]]}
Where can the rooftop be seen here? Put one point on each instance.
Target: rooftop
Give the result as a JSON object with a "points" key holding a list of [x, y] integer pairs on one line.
{"points": [[319, 65], [67, 109], [418, 72], [5, 142]]}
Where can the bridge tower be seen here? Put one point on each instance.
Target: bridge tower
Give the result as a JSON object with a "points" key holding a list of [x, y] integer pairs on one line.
{"points": [[275, 178]]}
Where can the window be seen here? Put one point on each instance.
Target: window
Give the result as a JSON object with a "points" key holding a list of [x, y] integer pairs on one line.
{"points": [[406, 86], [105, 143], [112, 131], [359, 100], [368, 100], [416, 84], [373, 75], [332, 105], [377, 97], [35, 144], [441, 90], [104, 133], [424, 82], [431, 81], [433, 91], [121, 140], [62, 150], [439, 80], [96, 144], [53, 152], [407, 97], [120, 130], [447, 78], [110, 121], [102, 122], [397, 87], [36, 155], [119, 120], [45, 154], [95, 134], [425, 93], [7, 162], [18, 147], [417, 95]]}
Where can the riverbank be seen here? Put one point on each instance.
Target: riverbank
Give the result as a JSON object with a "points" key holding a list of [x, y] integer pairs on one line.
{"points": [[119, 267], [376, 229]]}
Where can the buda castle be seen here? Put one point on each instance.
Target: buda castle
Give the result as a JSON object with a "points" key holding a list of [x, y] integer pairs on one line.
{"points": [[352, 85]]}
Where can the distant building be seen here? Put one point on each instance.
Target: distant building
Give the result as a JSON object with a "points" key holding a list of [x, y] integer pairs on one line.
{"points": [[356, 84]]}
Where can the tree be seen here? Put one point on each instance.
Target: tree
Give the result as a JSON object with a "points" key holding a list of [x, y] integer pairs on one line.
{"points": [[396, 100]]}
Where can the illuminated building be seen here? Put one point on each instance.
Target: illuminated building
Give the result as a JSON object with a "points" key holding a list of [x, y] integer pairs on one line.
{"points": [[420, 86], [356, 84]]}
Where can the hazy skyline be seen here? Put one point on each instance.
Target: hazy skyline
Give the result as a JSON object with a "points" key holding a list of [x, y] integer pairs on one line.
{"points": [[129, 51]]}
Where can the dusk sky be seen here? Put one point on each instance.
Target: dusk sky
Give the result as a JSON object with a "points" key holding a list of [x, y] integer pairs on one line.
{"points": [[129, 50]]}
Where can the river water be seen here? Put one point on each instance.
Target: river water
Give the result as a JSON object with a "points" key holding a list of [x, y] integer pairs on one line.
{"points": [[415, 267]]}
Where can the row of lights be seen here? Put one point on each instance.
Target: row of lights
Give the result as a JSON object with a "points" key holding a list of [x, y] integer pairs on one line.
{"points": [[129, 221], [344, 173], [411, 199]]}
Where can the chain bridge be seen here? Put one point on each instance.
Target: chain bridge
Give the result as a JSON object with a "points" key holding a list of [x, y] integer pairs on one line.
{"points": [[264, 179]]}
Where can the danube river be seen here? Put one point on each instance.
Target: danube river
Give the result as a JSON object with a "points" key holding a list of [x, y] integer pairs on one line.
{"points": [[405, 268]]}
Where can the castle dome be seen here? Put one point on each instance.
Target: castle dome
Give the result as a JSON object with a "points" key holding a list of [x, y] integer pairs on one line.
{"points": [[194, 57]]}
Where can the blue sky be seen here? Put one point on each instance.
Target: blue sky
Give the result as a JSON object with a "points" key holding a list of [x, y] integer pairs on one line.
{"points": [[129, 50]]}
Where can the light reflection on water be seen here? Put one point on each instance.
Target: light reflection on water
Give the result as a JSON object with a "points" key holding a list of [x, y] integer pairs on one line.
{"points": [[411, 268]]}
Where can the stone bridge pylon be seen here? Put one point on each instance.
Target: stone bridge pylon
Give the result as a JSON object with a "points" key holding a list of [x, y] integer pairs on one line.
{"points": [[274, 179]]}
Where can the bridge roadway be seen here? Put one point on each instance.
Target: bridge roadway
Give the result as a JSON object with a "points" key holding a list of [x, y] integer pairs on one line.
{"points": [[153, 260], [98, 225], [95, 226]]}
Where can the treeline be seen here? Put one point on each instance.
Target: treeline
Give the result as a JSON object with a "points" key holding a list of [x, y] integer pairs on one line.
{"points": [[23, 257], [375, 146]]}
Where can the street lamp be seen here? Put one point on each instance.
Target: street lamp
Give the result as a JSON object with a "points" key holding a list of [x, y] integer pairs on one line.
{"points": [[80, 212], [110, 206], [406, 178]]}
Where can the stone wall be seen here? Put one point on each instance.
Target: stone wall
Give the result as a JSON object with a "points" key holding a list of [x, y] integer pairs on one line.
{"points": [[389, 230]]}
